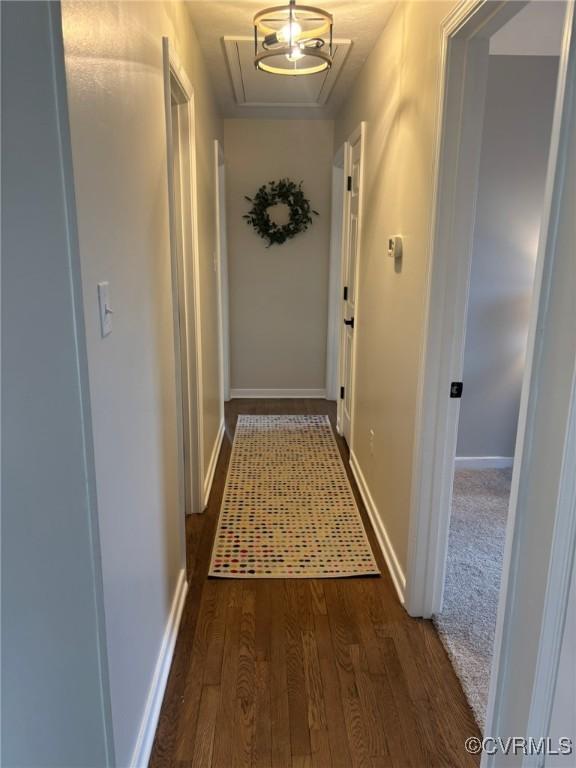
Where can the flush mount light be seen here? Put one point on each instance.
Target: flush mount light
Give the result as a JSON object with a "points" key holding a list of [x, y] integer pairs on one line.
{"points": [[293, 41]]}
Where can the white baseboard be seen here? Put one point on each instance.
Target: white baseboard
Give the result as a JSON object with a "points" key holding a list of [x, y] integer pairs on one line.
{"points": [[398, 577], [208, 480], [483, 462], [277, 393], [141, 754]]}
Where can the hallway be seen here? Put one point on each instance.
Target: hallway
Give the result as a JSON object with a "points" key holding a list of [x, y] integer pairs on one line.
{"points": [[304, 672], [237, 259]]}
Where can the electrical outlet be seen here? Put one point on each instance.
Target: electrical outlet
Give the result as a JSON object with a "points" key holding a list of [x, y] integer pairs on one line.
{"points": [[105, 309], [395, 247]]}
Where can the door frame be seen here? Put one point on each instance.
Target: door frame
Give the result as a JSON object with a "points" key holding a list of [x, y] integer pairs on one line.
{"points": [[186, 284], [358, 134], [465, 49], [222, 276]]}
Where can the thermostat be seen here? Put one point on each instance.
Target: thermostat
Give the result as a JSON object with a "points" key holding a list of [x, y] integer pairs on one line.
{"points": [[395, 247]]}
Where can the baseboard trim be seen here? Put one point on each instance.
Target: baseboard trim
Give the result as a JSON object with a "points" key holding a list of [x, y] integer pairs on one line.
{"points": [[484, 462], [237, 394], [398, 577], [209, 479], [147, 732]]}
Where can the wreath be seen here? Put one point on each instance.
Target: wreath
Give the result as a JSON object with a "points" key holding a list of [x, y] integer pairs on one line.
{"points": [[274, 193]]}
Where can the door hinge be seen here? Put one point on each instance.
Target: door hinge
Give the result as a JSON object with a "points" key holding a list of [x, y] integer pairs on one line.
{"points": [[456, 389], [341, 393], [345, 293], [349, 322], [349, 184]]}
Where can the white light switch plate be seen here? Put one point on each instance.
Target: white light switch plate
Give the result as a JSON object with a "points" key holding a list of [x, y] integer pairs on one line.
{"points": [[105, 309]]}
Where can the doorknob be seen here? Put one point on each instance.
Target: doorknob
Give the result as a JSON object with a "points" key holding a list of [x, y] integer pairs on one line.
{"points": [[349, 322]]}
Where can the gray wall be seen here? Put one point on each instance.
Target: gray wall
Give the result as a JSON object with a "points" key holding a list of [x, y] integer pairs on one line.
{"points": [[55, 708], [278, 295], [516, 135]]}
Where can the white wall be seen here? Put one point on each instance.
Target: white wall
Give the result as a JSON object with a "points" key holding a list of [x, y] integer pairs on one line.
{"points": [[278, 295], [516, 138], [116, 94], [536, 30], [55, 699]]}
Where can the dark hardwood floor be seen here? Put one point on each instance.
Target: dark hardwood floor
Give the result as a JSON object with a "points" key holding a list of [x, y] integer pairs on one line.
{"points": [[298, 673]]}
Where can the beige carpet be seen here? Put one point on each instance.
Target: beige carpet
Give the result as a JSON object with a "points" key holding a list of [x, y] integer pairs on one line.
{"points": [[288, 510], [475, 551]]}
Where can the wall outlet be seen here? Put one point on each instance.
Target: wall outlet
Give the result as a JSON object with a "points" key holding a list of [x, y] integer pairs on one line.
{"points": [[395, 247], [104, 309]]}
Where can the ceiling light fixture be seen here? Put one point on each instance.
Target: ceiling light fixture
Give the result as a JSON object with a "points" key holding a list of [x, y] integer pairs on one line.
{"points": [[293, 41]]}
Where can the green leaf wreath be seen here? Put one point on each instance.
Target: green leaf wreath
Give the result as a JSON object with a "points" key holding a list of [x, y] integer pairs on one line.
{"points": [[283, 191]]}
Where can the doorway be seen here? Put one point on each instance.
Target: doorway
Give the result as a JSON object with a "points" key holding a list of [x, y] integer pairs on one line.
{"points": [[515, 141], [347, 318], [183, 247], [533, 550]]}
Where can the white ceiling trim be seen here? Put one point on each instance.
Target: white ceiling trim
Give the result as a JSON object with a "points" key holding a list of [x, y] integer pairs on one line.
{"points": [[245, 78]]}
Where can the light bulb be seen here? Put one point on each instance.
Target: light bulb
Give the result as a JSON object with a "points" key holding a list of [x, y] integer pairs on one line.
{"points": [[290, 32], [295, 54]]}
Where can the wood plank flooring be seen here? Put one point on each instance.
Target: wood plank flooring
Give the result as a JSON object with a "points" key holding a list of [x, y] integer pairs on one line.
{"points": [[304, 673]]}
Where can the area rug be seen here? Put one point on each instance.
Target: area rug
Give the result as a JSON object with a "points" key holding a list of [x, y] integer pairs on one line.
{"points": [[476, 546], [288, 510]]}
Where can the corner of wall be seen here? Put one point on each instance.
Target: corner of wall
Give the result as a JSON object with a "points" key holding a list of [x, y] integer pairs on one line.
{"points": [[149, 723], [211, 469], [392, 561]]}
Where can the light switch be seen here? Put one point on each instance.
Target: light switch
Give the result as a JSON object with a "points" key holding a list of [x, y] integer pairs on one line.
{"points": [[105, 309]]}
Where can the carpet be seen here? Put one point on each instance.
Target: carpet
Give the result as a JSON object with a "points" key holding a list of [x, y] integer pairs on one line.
{"points": [[476, 545], [288, 510]]}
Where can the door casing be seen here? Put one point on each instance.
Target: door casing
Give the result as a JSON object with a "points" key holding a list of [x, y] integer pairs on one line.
{"points": [[185, 278]]}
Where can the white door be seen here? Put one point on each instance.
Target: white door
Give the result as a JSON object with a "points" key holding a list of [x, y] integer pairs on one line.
{"points": [[351, 255]]}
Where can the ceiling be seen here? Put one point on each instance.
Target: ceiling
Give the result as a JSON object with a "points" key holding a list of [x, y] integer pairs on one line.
{"points": [[224, 29], [536, 30]]}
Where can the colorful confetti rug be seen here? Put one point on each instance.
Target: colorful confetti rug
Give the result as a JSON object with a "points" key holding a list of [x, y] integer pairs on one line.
{"points": [[288, 510]]}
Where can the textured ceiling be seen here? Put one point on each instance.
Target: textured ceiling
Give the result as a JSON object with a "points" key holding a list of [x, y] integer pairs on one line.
{"points": [[361, 21]]}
